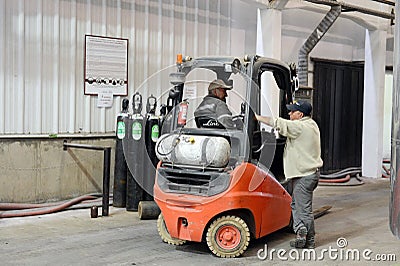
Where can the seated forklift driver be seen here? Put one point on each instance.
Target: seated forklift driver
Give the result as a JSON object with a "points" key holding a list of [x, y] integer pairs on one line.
{"points": [[213, 111]]}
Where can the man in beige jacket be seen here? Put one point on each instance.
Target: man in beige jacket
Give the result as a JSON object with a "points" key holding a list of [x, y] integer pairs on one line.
{"points": [[301, 163]]}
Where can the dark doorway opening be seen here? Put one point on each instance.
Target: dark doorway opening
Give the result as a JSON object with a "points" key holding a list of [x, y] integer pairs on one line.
{"points": [[338, 111]]}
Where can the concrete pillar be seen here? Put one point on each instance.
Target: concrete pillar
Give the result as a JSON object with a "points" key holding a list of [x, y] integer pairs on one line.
{"points": [[269, 43], [374, 91]]}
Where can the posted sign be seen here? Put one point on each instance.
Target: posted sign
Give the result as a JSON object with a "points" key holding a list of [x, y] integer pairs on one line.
{"points": [[106, 65]]}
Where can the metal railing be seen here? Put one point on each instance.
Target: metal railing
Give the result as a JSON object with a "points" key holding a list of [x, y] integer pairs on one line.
{"points": [[106, 170]]}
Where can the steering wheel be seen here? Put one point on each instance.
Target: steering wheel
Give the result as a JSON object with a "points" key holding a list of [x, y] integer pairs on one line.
{"points": [[238, 121]]}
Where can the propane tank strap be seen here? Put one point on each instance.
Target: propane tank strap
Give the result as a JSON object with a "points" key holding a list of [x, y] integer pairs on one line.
{"points": [[204, 152], [173, 154]]}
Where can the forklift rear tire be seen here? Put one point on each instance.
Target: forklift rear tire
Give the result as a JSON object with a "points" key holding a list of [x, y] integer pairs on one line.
{"points": [[228, 236], [165, 236]]}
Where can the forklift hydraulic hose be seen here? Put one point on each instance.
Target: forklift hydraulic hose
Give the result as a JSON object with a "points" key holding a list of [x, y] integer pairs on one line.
{"points": [[177, 140], [44, 210], [172, 148]]}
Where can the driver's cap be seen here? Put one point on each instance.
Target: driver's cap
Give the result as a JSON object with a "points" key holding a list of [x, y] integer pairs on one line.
{"points": [[218, 83]]}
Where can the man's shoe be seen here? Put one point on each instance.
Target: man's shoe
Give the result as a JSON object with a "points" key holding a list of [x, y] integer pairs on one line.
{"points": [[310, 242], [300, 240]]}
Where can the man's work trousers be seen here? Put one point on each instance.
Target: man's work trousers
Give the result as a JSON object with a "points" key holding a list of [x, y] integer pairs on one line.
{"points": [[302, 197]]}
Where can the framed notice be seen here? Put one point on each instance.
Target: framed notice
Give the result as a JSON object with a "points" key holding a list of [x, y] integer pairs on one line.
{"points": [[106, 65]]}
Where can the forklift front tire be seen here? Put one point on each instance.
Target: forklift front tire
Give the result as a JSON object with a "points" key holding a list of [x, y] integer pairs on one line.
{"points": [[165, 236], [228, 236]]}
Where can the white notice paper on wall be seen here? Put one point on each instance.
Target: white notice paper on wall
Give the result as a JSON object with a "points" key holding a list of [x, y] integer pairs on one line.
{"points": [[105, 99], [190, 91]]}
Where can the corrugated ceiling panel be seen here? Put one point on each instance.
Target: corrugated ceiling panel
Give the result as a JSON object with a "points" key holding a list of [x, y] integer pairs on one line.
{"points": [[42, 46]]}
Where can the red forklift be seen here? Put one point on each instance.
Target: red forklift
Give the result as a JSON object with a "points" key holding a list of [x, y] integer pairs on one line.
{"points": [[222, 186]]}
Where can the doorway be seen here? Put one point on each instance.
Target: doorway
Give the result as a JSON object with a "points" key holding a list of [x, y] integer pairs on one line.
{"points": [[338, 111]]}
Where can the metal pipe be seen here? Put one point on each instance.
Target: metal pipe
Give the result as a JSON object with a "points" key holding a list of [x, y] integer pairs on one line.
{"points": [[106, 181], [82, 146], [106, 170], [369, 11], [336, 9], [394, 206], [313, 39], [387, 2], [351, 7]]}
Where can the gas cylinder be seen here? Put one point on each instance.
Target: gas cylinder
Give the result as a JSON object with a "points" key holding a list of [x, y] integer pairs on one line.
{"points": [[135, 156], [120, 167], [166, 116], [196, 150], [163, 113], [151, 134], [152, 130]]}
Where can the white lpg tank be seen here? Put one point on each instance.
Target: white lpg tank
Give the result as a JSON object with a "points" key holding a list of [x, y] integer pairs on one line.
{"points": [[194, 150]]}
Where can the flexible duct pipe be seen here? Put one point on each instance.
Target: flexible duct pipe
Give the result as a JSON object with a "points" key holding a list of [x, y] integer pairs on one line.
{"points": [[395, 160], [314, 38]]}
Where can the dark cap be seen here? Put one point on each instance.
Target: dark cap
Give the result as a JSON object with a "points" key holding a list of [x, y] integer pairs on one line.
{"points": [[302, 106], [218, 83]]}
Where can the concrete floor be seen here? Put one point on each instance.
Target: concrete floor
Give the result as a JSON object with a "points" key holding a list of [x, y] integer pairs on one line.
{"points": [[359, 214]]}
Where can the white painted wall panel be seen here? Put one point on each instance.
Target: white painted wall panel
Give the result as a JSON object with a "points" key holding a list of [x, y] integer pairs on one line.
{"points": [[32, 66], [2, 63], [50, 71], [14, 72], [42, 54]]}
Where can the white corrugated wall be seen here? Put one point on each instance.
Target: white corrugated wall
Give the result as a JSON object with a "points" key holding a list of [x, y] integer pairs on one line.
{"points": [[42, 54]]}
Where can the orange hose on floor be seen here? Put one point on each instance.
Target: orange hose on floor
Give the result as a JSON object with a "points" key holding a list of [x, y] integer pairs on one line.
{"points": [[338, 180], [45, 210]]}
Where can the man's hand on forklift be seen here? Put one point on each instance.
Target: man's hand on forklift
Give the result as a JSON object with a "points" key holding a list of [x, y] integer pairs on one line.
{"points": [[265, 119]]}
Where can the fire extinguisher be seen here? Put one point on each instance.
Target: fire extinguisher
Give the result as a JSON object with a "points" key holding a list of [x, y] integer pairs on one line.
{"points": [[182, 115]]}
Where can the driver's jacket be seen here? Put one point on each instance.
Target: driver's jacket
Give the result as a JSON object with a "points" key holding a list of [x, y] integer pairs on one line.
{"points": [[213, 107], [302, 155]]}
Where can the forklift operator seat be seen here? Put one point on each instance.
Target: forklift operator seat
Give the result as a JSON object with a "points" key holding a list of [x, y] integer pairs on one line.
{"points": [[208, 122]]}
